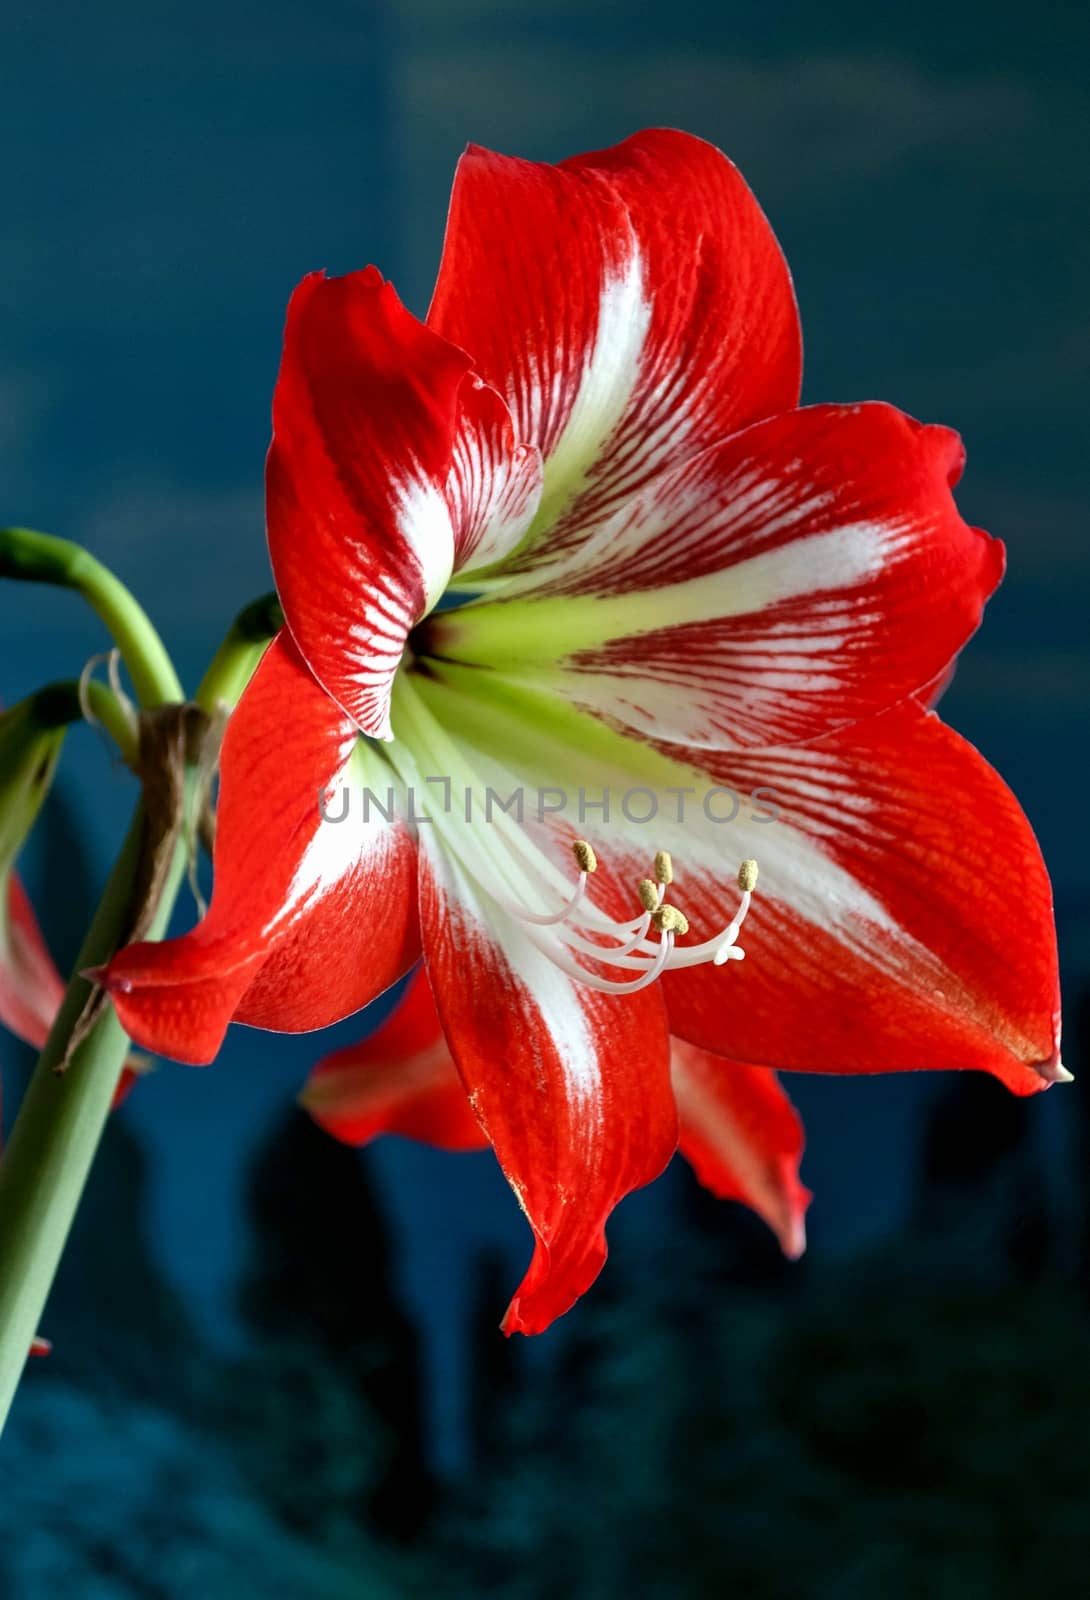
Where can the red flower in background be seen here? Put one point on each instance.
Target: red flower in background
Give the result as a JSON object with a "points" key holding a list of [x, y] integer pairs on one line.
{"points": [[675, 580], [31, 988]]}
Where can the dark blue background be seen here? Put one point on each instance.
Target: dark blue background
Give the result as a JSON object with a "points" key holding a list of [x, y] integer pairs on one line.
{"points": [[169, 171]]}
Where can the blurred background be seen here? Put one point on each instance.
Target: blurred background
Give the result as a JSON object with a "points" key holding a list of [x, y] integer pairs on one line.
{"points": [[277, 1370]]}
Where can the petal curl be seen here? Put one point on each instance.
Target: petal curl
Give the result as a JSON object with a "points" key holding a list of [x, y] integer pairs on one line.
{"points": [[360, 534], [802, 575], [401, 1079], [391, 464], [631, 305], [743, 1138], [571, 1086], [310, 918]]}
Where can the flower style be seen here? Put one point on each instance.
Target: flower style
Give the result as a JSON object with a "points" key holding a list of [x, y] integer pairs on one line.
{"points": [[675, 584]]}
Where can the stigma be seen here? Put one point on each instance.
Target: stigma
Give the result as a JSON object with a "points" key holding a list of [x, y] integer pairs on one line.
{"points": [[584, 942]]}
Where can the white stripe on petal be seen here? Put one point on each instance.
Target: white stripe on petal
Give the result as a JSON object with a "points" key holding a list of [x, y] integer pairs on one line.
{"points": [[608, 382], [337, 848], [546, 991]]}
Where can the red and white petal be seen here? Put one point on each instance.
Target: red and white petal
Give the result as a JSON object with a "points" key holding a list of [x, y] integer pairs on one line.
{"points": [[494, 485], [402, 1079], [31, 988], [631, 305], [360, 535], [571, 1086], [310, 917], [743, 1138], [902, 920], [801, 575]]}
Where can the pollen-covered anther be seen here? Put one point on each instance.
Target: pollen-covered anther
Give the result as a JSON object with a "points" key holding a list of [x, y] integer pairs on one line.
{"points": [[649, 894], [585, 859], [668, 919], [747, 875], [664, 867]]}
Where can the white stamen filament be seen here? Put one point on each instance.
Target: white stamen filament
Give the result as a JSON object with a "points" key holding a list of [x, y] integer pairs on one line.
{"points": [[637, 949], [594, 980], [562, 915]]}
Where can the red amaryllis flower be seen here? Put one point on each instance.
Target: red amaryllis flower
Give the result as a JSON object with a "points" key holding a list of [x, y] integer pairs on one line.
{"points": [[736, 1126], [685, 601]]}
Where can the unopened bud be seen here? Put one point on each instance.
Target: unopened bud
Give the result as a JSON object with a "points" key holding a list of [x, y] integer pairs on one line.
{"points": [[31, 735]]}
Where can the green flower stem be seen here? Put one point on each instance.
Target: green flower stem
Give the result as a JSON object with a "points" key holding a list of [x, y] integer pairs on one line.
{"points": [[108, 712], [60, 1122], [234, 663], [41, 558], [61, 703], [62, 1117]]}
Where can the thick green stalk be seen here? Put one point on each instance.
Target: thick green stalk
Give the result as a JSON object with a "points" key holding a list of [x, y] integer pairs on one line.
{"points": [[40, 558], [60, 1122], [67, 701], [235, 662], [61, 1119]]}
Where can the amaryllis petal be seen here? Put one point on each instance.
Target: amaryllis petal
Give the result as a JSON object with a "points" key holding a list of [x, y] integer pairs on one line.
{"points": [[903, 919], [31, 988], [738, 1129], [400, 1080], [360, 532], [803, 574], [311, 917], [571, 1086], [743, 1138], [494, 484], [631, 305]]}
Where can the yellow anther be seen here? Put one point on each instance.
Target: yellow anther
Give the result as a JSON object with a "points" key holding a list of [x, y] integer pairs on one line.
{"points": [[747, 875], [585, 858], [668, 919], [664, 867], [649, 895]]}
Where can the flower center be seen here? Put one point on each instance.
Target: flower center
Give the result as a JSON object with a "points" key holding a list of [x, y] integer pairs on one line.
{"points": [[520, 877]]}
